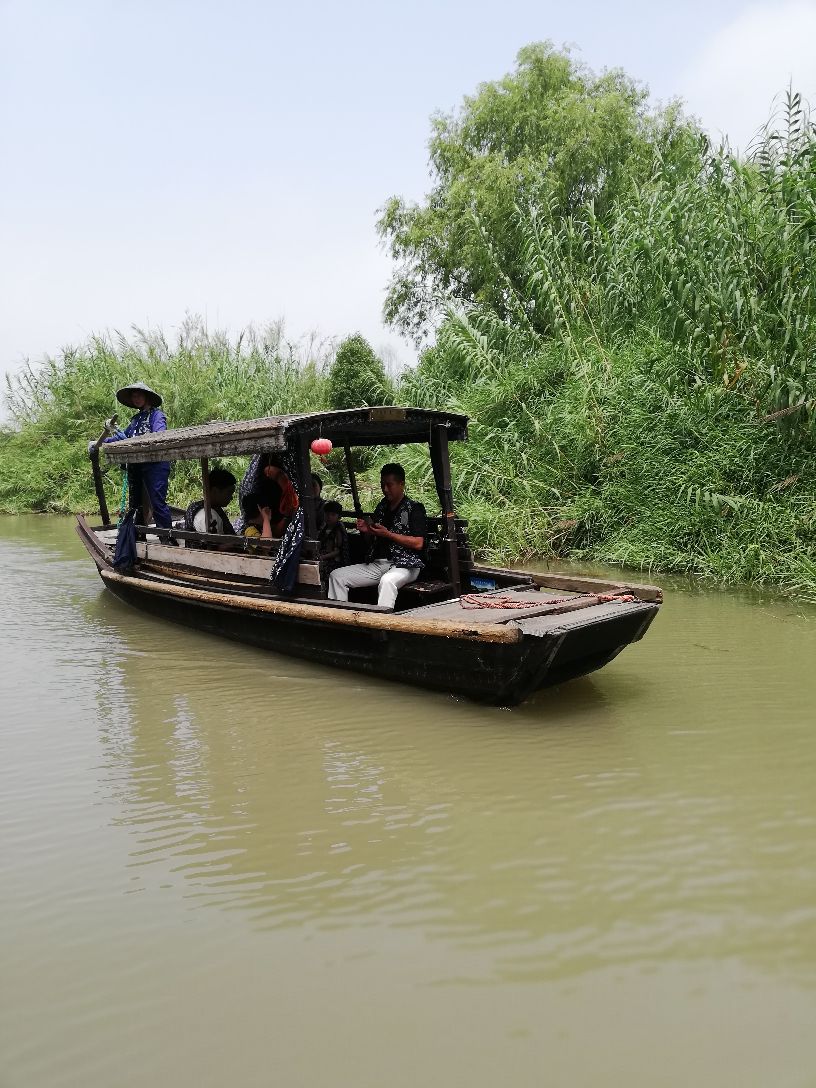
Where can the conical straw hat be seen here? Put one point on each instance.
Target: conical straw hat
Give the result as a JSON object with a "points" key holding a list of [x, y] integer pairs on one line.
{"points": [[123, 395]]}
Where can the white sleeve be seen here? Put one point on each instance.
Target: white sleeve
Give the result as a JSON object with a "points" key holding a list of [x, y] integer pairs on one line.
{"points": [[200, 521]]}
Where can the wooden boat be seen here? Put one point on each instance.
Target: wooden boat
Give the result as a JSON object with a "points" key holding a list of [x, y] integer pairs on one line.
{"points": [[488, 633]]}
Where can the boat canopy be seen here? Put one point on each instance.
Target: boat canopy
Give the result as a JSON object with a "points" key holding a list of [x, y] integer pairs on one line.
{"points": [[376, 426]]}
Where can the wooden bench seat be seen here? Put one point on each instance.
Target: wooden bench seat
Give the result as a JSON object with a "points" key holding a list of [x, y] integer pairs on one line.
{"points": [[422, 592]]}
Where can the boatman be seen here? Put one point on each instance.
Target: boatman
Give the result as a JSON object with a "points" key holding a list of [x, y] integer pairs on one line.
{"points": [[396, 536], [152, 477]]}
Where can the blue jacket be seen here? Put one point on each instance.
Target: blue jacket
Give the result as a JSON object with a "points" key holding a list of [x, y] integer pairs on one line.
{"points": [[148, 421]]}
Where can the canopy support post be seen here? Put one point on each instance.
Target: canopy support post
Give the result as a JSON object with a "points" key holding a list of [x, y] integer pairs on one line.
{"points": [[205, 484], [440, 460], [358, 510], [306, 491]]}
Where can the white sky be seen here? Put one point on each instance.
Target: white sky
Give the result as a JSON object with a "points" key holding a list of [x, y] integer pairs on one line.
{"points": [[226, 158]]}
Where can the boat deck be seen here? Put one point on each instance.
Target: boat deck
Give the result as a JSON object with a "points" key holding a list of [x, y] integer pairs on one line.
{"points": [[546, 605], [531, 602], [544, 612]]}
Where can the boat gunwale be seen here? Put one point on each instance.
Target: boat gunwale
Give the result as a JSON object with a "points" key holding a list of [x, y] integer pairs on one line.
{"points": [[398, 622], [411, 621]]}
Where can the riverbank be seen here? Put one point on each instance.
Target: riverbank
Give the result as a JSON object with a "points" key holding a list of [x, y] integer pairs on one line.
{"points": [[628, 313], [576, 451]]}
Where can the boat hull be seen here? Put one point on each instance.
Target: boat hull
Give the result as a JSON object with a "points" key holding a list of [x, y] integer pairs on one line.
{"points": [[499, 673], [500, 663]]}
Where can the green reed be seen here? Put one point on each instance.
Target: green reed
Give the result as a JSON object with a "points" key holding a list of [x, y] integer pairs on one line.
{"points": [[58, 406], [649, 400]]}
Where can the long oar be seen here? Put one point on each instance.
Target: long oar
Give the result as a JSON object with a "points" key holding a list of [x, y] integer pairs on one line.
{"points": [[93, 453]]}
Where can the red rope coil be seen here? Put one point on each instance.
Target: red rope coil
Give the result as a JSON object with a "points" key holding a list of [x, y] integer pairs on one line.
{"points": [[483, 600]]}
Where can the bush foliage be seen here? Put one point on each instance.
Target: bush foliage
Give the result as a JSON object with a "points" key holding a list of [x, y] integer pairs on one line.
{"points": [[647, 395], [357, 376], [551, 134]]}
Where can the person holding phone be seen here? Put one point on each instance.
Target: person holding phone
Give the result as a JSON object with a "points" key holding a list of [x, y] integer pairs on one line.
{"points": [[396, 537]]}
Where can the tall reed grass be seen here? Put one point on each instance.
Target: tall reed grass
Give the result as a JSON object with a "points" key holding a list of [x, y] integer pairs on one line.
{"points": [[650, 400], [57, 406]]}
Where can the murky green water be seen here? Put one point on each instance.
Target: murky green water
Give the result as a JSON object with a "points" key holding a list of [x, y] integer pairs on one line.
{"points": [[224, 867]]}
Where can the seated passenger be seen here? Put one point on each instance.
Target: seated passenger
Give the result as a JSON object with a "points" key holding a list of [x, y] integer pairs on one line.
{"points": [[334, 549], [273, 491], [222, 488], [396, 536], [265, 532]]}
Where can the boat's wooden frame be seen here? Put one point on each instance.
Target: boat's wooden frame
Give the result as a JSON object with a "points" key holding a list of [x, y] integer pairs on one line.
{"points": [[552, 627]]}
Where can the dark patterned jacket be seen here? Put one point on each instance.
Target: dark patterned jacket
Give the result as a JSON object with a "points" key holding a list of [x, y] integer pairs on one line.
{"points": [[408, 520]]}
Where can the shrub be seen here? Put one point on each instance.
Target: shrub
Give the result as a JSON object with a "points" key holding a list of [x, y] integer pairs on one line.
{"points": [[357, 376]]}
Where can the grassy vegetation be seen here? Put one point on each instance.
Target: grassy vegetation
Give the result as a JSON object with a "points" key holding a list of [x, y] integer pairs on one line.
{"points": [[618, 454], [644, 394], [58, 406], [615, 457]]}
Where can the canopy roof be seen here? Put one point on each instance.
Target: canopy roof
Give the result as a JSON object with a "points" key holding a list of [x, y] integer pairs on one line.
{"points": [[355, 426]]}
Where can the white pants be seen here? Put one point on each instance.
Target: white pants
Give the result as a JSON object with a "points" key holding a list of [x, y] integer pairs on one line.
{"points": [[390, 579]]}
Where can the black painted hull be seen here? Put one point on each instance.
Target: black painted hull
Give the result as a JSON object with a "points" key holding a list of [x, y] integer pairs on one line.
{"points": [[499, 673], [502, 666]]}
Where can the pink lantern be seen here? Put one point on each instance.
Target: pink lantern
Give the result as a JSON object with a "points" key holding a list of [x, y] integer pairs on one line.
{"points": [[321, 446]]}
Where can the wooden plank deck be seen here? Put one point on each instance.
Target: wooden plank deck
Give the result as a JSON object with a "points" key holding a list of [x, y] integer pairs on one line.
{"points": [[541, 602], [541, 626]]}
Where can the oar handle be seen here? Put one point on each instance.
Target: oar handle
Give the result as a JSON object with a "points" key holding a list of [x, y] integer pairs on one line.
{"points": [[110, 427]]}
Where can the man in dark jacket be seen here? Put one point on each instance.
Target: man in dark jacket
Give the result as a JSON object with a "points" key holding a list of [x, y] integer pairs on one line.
{"points": [[396, 535]]}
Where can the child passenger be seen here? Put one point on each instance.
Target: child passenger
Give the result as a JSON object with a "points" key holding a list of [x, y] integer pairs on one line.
{"points": [[334, 548], [222, 488]]}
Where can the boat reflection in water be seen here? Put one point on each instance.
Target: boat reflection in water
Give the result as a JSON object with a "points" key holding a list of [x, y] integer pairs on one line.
{"points": [[286, 792]]}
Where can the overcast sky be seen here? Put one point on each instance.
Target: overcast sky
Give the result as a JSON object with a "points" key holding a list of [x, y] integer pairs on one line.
{"points": [[225, 158]]}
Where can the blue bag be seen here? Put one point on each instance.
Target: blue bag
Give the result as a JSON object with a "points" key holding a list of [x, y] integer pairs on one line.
{"points": [[124, 557]]}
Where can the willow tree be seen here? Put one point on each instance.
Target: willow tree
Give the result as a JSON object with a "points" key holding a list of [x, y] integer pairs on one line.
{"points": [[550, 132]]}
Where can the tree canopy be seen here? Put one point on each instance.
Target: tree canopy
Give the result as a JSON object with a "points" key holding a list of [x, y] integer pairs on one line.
{"points": [[551, 132]]}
